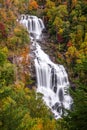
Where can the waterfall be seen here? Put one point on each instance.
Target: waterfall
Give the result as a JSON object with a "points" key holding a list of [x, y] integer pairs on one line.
{"points": [[52, 79], [33, 24]]}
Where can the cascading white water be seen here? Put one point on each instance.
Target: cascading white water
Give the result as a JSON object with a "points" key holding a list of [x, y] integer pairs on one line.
{"points": [[33, 24], [52, 79]]}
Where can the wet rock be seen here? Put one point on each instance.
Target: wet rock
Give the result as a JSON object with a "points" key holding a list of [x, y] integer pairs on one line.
{"points": [[44, 31], [60, 95], [55, 89], [39, 40], [31, 86], [33, 35], [73, 86], [55, 106], [59, 109]]}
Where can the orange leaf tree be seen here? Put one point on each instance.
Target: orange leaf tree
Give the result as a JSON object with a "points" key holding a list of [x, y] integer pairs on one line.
{"points": [[33, 5]]}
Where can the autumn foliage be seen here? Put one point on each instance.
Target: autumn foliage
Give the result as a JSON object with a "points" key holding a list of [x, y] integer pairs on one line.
{"points": [[3, 33], [20, 107], [33, 5]]}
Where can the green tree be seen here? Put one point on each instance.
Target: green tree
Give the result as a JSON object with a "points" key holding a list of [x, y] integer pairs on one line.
{"points": [[76, 119]]}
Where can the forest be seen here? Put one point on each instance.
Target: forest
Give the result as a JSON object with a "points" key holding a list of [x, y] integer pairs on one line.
{"points": [[21, 108]]}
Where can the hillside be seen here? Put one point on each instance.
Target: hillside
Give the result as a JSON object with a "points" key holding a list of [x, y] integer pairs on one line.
{"points": [[21, 108]]}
